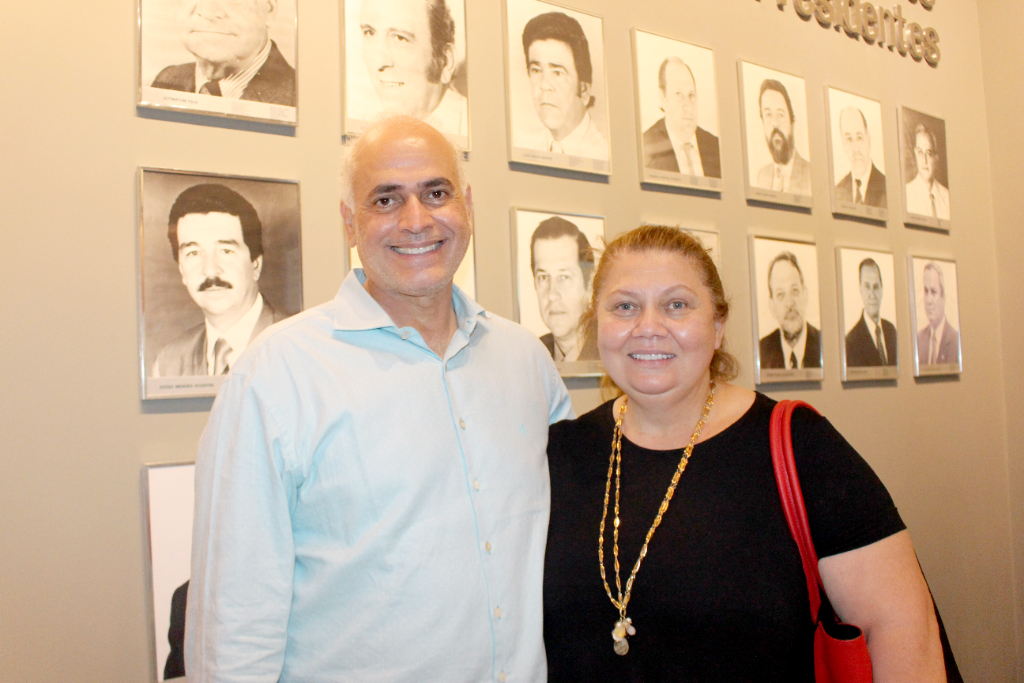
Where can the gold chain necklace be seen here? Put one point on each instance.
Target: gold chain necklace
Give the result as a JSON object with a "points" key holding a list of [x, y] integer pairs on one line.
{"points": [[624, 626]]}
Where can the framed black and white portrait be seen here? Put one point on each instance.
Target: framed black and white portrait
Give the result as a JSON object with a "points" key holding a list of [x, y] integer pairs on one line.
{"points": [[677, 109], [555, 255], [867, 314], [776, 151], [557, 95], [935, 309], [169, 494], [856, 153], [925, 170], [465, 276], [220, 261], [786, 310], [234, 58], [407, 57]]}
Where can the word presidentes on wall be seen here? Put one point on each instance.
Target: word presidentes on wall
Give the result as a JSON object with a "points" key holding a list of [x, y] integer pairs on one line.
{"points": [[876, 24]]}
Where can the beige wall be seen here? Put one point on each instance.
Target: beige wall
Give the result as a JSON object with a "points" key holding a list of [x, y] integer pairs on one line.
{"points": [[73, 601]]}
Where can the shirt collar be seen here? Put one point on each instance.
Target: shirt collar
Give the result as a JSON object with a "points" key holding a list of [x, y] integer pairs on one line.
{"points": [[233, 85]]}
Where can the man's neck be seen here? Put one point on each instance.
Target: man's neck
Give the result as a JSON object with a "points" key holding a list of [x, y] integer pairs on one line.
{"points": [[220, 70], [569, 346], [566, 132], [794, 339], [876, 319], [680, 136], [224, 321], [432, 315]]}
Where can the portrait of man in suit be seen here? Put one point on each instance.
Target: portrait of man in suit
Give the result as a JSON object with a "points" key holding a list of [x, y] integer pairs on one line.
{"points": [[409, 51], [562, 263], [938, 342], [795, 343], [872, 341], [788, 171], [864, 184], [926, 196], [558, 62], [676, 142], [235, 57], [216, 238]]}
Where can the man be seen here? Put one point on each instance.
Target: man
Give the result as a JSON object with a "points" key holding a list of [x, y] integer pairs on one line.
{"points": [[795, 343], [864, 184], [562, 263], [235, 57], [217, 239], [872, 341], [925, 195], [938, 341], [675, 142], [371, 490], [561, 79], [788, 171], [409, 52]]}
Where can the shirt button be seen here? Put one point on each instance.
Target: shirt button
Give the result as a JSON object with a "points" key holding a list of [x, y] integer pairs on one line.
{"points": [[476, 484], [405, 335], [462, 423], [487, 547], [501, 677], [497, 612]]}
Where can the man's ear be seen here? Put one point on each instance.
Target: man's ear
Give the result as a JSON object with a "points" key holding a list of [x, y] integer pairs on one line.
{"points": [[350, 230], [448, 71], [257, 267]]}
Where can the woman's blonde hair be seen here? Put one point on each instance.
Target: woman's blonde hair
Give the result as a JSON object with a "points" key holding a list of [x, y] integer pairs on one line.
{"points": [[661, 238]]}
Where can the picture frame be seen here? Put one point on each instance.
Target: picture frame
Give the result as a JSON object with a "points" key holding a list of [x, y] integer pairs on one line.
{"points": [[919, 170], [175, 48], [935, 312], [168, 499], [867, 314], [552, 283], [676, 98], [184, 296], [785, 294], [856, 152], [390, 66], [763, 179], [465, 276], [557, 97]]}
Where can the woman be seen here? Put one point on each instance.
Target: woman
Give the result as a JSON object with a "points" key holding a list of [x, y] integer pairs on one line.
{"points": [[719, 593]]}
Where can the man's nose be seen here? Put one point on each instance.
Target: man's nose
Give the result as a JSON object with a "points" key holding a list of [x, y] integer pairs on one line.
{"points": [[209, 9], [414, 216], [382, 53], [211, 264]]}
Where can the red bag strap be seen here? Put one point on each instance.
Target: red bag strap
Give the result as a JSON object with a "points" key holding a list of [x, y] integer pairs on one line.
{"points": [[792, 497]]}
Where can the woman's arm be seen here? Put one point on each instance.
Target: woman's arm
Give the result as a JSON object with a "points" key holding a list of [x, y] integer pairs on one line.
{"points": [[880, 588]]}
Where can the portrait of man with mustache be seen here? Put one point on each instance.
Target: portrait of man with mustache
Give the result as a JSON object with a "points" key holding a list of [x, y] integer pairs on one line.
{"points": [[787, 172], [795, 344]]}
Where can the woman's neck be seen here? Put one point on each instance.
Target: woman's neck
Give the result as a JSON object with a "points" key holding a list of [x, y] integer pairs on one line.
{"points": [[663, 423]]}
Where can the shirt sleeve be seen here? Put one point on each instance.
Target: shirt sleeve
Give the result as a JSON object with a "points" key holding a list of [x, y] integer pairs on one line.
{"points": [[243, 555], [559, 404], [848, 507]]}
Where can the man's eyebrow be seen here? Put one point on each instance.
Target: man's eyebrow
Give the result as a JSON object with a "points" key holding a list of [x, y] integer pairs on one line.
{"points": [[440, 181]]}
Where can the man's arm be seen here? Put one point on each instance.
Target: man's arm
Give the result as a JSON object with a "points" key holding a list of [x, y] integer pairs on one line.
{"points": [[880, 589], [243, 556]]}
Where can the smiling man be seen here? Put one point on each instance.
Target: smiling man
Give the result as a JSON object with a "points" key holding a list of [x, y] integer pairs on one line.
{"points": [[788, 171], [795, 343], [864, 184], [217, 239], [409, 51], [561, 83], [235, 57], [872, 341], [372, 493]]}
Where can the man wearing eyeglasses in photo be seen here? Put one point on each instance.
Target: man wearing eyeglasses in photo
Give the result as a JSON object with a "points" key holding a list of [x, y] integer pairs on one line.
{"points": [[925, 194]]}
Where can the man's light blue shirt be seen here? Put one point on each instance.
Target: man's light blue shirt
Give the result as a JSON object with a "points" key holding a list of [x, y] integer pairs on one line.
{"points": [[368, 511]]}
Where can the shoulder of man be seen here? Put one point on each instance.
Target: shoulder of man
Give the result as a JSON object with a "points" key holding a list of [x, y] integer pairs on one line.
{"points": [[274, 83], [181, 77]]}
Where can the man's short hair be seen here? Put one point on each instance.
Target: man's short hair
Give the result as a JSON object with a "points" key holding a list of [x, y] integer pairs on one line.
{"points": [[864, 264], [563, 28], [772, 84], [664, 66], [216, 198], [555, 227], [932, 265], [922, 129], [442, 36], [783, 256]]}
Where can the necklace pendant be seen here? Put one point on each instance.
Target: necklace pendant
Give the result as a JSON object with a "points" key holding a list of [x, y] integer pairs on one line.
{"points": [[623, 628], [621, 647]]}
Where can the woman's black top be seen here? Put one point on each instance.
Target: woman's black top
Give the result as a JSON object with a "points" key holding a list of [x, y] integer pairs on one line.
{"points": [[721, 595]]}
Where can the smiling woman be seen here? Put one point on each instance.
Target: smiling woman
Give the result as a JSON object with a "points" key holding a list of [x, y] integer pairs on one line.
{"points": [[719, 586]]}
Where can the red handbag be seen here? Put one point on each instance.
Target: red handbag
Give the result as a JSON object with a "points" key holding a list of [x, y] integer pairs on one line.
{"points": [[840, 651]]}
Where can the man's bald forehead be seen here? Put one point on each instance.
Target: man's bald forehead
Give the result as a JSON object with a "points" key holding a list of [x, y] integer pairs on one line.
{"points": [[849, 118]]}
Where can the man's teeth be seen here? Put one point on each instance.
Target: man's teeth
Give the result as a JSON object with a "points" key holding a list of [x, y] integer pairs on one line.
{"points": [[417, 250], [651, 356]]}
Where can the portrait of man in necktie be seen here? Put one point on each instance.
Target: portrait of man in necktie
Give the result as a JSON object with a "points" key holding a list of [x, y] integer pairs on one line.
{"points": [[221, 262], [867, 312], [925, 172], [241, 52], [775, 135], [936, 316], [678, 112], [857, 155]]}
